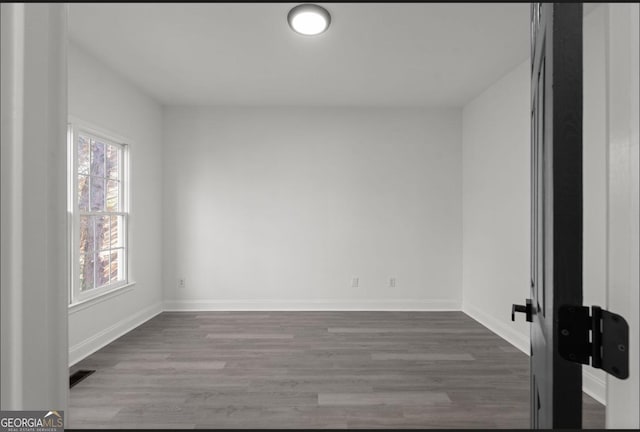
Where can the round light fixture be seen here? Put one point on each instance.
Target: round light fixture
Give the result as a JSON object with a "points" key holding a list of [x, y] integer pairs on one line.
{"points": [[309, 19]]}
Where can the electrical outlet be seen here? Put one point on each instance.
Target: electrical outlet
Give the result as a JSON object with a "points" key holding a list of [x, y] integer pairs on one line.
{"points": [[355, 282], [392, 282], [181, 283]]}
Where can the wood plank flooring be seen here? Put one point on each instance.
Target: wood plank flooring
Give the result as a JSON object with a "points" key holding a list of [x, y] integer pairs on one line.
{"points": [[308, 370]]}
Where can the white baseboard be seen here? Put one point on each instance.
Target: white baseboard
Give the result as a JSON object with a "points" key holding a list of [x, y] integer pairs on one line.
{"points": [[507, 333], [592, 385], [311, 305], [92, 344]]}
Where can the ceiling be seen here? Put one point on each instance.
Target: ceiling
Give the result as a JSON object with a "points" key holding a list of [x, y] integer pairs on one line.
{"points": [[374, 54]]}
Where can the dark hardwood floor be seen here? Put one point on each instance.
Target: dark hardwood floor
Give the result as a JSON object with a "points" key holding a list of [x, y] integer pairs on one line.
{"points": [[308, 370]]}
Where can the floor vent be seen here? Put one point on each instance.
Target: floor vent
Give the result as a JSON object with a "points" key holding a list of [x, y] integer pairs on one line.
{"points": [[75, 378]]}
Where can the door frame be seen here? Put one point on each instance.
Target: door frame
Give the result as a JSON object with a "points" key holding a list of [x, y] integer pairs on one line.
{"points": [[34, 330], [623, 239]]}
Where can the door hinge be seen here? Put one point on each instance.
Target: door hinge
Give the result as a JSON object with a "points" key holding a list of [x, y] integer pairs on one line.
{"points": [[600, 339]]}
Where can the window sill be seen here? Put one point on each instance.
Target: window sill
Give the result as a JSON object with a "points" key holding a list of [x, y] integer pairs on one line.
{"points": [[84, 304]]}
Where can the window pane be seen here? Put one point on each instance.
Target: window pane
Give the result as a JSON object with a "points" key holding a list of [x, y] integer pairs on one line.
{"points": [[86, 271], [116, 225], [113, 195], [87, 236], [97, 159], [83, 193], [97, 194], [113, 162], [116, 266], [101, 249], [103, 231], [102, 269], [83, 154]]}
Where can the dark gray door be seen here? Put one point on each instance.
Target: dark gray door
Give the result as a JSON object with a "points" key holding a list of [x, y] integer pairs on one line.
{"points": [[556, 207]]}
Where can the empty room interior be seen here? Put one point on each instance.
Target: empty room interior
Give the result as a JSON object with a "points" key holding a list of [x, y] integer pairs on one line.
{"points": [[272, 229]]}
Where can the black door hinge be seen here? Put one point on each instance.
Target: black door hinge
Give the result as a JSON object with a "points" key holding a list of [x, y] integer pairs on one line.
{"points": [[601, 338]]}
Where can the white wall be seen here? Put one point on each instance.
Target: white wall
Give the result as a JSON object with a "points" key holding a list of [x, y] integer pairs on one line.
{"points": [[102, 98], [280, 208], [496, 170], [495, 166]]}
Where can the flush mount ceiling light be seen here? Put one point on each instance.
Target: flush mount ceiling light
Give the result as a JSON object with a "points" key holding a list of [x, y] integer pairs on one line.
{"points": [[309, 19]]}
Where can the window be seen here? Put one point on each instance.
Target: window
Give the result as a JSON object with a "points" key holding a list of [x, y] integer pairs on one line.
{"points": [[99, 212]]}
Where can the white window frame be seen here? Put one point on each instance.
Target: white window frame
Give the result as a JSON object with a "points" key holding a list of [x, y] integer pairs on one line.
{"points": [[76, 295]]}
